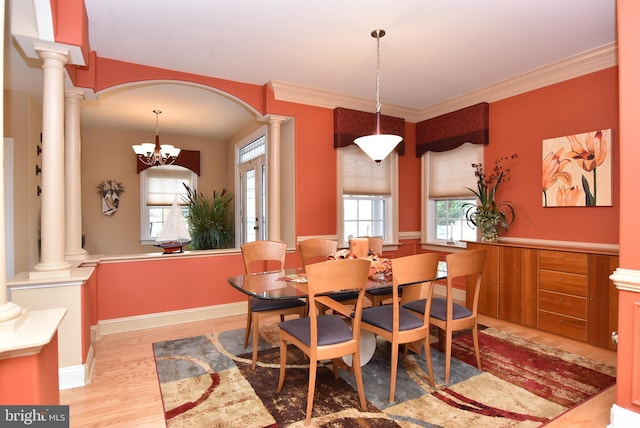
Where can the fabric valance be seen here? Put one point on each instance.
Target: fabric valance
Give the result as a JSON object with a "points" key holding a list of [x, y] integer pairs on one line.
{"points": [[189, 159], [351, 124], [451, 130]]}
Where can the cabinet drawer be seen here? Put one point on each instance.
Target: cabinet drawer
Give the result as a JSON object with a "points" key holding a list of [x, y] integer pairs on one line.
{"points": [[563, 304], [563, 261], [565, 326], [563, 282]]}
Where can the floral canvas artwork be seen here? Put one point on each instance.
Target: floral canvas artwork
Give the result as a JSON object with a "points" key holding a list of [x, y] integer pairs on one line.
{"points": [[576, 170]]}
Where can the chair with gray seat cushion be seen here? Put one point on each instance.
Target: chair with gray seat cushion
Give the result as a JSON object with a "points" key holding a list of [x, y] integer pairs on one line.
{"points": [[397, 324], [376, 295], [329, 336], [264, 254], [450, 316], [314, 250]]}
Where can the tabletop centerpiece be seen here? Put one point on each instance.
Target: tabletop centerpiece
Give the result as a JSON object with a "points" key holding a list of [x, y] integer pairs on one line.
{"points": [[488, 215]]}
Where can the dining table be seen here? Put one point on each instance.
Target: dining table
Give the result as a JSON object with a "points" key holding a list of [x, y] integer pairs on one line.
{"points": [[292, 284]]}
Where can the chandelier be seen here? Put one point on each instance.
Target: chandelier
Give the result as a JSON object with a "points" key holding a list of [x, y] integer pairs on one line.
{"points": [[155, 154], [377, 146]]}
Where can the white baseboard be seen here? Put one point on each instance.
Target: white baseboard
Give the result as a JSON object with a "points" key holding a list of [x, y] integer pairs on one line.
{"points": [[623, 418], [75, 376], [163, 319]]}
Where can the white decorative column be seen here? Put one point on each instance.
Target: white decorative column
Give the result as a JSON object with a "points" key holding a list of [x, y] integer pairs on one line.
{"points": [[52, 223], [273, 213], [72, 175], [9, 311]]}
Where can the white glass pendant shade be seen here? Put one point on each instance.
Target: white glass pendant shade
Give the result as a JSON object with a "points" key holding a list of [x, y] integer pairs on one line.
{"points": [[378, 146]]}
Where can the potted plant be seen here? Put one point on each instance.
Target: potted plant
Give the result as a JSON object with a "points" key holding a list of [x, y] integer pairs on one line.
{"points": [[489, 216], [210, 219]]}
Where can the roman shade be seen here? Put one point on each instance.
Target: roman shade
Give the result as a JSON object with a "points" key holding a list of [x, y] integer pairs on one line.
{"points": [[360, 176], [350, 124], [165, 183], [451, 130]]}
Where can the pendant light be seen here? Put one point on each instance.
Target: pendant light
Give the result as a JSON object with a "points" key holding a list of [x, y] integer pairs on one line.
{"points": [[377, 146], [155, 154]]}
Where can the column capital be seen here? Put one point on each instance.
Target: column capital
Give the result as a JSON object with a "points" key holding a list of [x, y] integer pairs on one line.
{"points": [[74, 93], [52, 52]]}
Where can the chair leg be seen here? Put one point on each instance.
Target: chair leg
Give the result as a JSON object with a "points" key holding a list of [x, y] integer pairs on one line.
{"points": [[358, 373], [427, 356], [246, 333], [476, 345], [394, 372], [283, 363], [313, 367], [447, 351], [256, 338]]}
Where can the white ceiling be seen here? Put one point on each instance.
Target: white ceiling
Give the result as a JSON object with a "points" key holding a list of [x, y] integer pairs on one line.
{"points": [[434, 50]]}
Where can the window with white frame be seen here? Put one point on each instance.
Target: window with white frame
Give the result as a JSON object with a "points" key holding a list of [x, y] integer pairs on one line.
{"points": [[367, 192], [159, 187], [251, 191], [447, 179]]}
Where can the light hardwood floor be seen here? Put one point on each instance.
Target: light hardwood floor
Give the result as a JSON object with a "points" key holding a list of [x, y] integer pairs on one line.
{"points": [[124, 391]]}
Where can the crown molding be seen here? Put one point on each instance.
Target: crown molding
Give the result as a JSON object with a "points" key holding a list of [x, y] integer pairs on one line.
{"points": [[319, 98], [587, 62]]}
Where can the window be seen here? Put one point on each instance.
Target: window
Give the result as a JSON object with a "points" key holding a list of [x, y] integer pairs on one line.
{"points": [[447, 175], [159, 187], [252, 188], [367, 196]]}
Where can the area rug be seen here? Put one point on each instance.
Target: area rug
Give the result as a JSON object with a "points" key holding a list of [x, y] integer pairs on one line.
{"points": [[207, 381]]}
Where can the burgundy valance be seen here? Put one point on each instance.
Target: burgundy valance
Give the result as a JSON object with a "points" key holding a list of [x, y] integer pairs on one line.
{"points": [[351, 124], [451, 130], [189, 159]]}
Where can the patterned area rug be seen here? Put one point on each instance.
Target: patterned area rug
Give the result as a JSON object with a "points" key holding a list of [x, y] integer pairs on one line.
{"points": [[208, 381]]}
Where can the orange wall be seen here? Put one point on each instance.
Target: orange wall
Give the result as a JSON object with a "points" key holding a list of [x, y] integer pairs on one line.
{"points": [[517, 124], [520, 123], [628, 380], [144, 287], [32, 379]]}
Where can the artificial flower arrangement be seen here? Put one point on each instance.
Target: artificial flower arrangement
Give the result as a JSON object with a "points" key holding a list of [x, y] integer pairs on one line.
{"points": [[379, 265], [489, 216]]}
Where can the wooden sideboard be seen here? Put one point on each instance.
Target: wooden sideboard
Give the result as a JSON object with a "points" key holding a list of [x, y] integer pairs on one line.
{"points": [[566, 291]]}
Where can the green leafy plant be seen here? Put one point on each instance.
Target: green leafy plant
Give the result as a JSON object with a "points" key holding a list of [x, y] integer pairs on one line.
{"points": [[210, 219], [488, 215]]}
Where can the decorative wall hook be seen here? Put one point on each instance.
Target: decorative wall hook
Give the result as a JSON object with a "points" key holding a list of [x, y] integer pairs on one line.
{"points": [[38, 169]]}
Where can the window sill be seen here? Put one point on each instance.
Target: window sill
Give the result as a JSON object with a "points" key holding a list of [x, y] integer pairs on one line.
{"points": [[440, 245]]}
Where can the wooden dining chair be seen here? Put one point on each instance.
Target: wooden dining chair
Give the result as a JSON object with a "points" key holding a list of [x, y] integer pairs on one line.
{"points": [[377, 295], [399, 325], [359, 247], [450, 316], [376, 245], [328, 337], [261, 256], [314, 250]]}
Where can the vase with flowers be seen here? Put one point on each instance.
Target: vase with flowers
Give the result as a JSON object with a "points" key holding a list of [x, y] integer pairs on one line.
{"points": [[488, 215]]}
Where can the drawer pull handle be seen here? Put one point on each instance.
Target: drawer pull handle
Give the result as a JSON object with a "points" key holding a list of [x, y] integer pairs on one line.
{"points": [[561, 300]]}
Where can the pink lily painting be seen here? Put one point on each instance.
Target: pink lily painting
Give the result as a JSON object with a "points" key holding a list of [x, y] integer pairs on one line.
{"points": [[576, 170]]}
